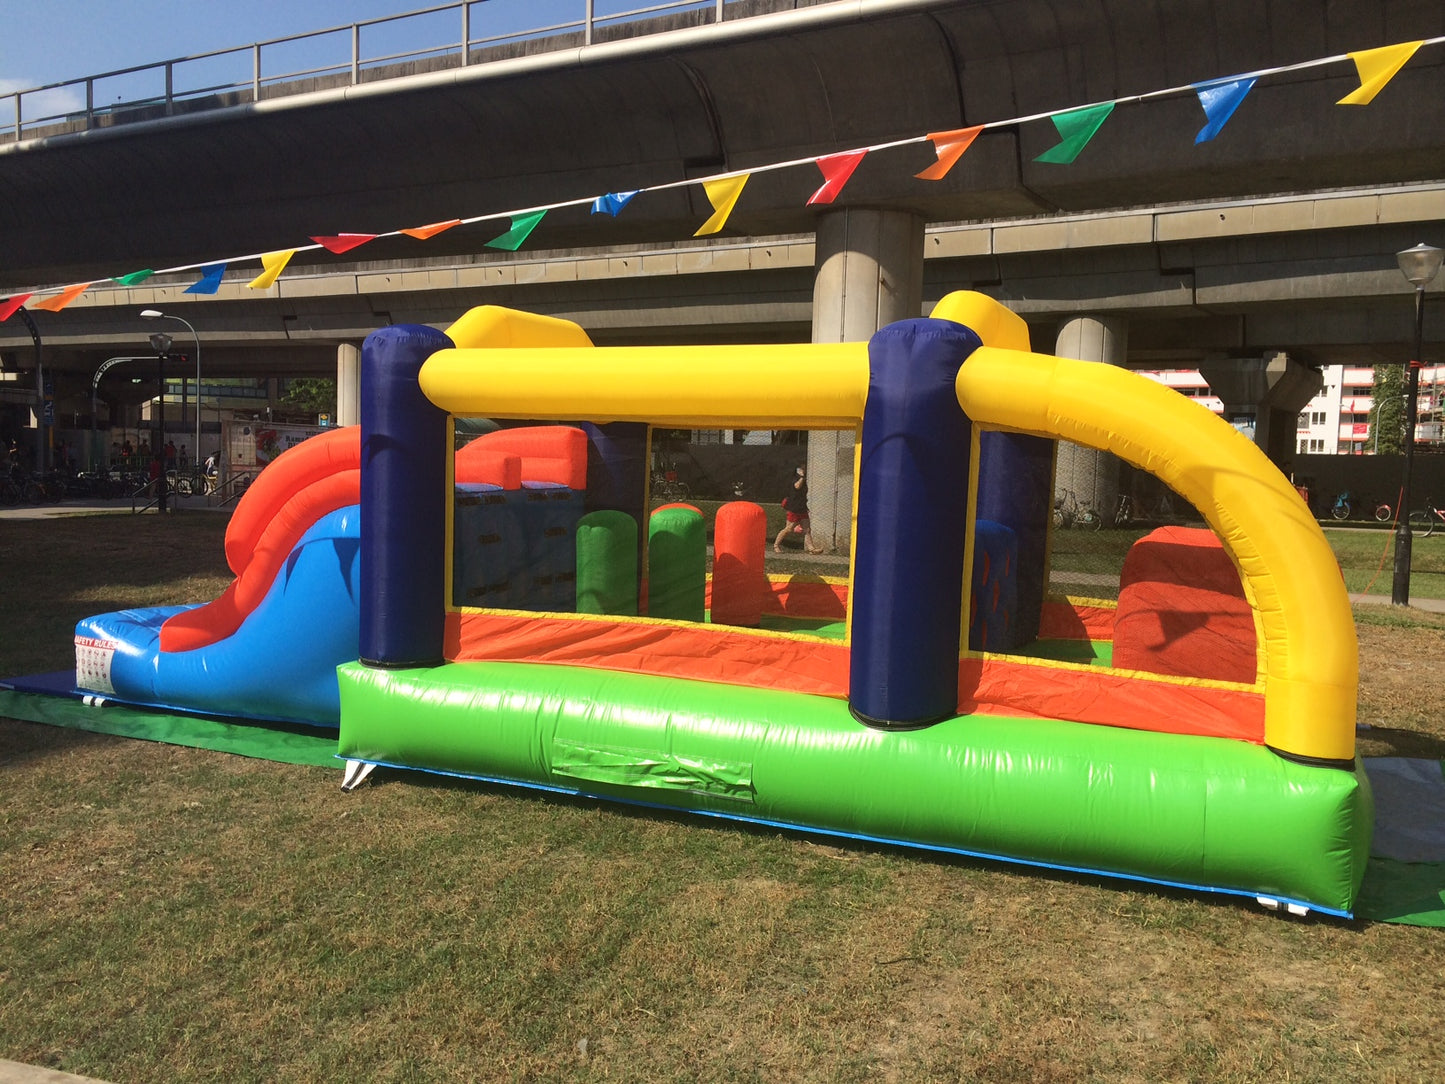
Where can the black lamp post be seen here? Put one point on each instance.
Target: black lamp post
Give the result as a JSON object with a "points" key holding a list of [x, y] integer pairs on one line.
{"points": [[41, 444], [161, 344], [1420, 265], [156, 314]]}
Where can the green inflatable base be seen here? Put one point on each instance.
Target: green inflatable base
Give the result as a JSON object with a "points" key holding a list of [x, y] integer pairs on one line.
{"points": [[1192, 812]]}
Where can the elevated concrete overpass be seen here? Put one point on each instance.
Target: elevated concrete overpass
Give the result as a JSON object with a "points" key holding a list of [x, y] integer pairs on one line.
{"points": [[1277, 236]]}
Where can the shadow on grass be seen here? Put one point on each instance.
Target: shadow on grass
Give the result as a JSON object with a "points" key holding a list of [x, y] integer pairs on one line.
{"points": [[1385, 741]]}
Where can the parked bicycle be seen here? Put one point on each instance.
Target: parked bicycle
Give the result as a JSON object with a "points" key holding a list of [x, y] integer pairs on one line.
{"points": [[186, 483], [1426, 521], [1124, 511], [33, 488], [667, 487], [1069, 511], [1347, 504]]}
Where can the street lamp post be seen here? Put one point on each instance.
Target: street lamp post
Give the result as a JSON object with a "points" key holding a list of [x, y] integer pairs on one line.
{"points": [[41, 444], [1420, 265], [156, 314], [161, 344]]}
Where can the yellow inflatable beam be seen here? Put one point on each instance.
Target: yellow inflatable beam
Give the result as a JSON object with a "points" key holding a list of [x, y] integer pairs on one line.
{"points": [[799, 386], [1310, 655]]}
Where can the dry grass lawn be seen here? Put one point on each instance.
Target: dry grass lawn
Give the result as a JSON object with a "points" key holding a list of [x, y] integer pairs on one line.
{"points": [[180, 915]]}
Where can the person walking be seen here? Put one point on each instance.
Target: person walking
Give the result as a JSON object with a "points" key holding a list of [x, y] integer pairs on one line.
{"points": [[795, 504]]}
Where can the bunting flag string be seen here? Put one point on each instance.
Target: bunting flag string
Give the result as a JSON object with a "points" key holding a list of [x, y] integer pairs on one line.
{"points": [[1376, 67], [722, 193], [522, 226], [344, 242], [210, 282], [949, 146], [65, 297], [836, 169], [1076, 127], [612, 203], [273, 263], [426, 233], [1219, 100], [8, 307]]}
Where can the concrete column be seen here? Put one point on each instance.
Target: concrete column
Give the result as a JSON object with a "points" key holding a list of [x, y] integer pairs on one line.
{"points": [[1092, 475], [348, 385], [1273, 389], [868, 273]]}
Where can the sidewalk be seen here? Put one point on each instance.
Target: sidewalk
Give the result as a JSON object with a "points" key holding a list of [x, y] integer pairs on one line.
{"points": [[1430, 605], [97, 507], [12, 1072]]}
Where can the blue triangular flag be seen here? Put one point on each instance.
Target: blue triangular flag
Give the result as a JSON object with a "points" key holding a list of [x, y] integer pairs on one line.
{"points": [[613, 202], [210, 279], [1220, 99]]}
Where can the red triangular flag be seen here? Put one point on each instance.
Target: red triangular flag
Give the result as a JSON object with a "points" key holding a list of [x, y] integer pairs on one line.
{"points": [[8, 306], [422, 233], [343, 242], [949, 146], [837, 168]]}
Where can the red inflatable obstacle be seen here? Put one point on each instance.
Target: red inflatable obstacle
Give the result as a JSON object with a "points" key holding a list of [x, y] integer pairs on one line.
{"points": [[1182, 609], [536, 453]]}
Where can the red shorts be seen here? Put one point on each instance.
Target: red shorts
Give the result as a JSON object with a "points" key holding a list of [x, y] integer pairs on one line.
{"points": [[794, 517]]}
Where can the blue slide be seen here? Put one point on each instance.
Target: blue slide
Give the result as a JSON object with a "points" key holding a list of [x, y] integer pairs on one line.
{"points": [[280, 664]]}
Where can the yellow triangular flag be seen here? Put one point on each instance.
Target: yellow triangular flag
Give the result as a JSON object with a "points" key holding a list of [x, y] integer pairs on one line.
{"points": [[60, 300], [1377, 67], [723, 194], [274, 263]]}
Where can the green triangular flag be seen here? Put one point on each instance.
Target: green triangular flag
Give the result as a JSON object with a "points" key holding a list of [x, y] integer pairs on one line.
{"points": [[134, 278], [1076, 127], [522, 225]]}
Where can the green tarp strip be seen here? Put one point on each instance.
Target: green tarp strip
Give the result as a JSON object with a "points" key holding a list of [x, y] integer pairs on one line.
{"points": [[263, 741], [1409, 893]]}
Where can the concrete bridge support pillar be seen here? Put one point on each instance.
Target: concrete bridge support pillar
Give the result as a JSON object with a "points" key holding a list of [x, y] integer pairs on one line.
{"points": [[869, 273], [348, 385], [1093, 476], [1273, 389]]}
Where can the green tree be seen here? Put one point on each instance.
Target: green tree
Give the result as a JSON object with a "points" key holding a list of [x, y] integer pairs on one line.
{"points": [[312, 394], [1387, 410]]}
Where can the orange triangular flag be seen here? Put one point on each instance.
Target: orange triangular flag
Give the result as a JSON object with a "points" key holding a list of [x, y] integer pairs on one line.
{"points": [[837, 168], [422, 233], [65, 297], [274, 263], [723, 193], [950, 147], [1377, 67], [344, 242]]}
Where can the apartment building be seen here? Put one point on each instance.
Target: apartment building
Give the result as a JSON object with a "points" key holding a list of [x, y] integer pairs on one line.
{"points": [[1337, 420]]}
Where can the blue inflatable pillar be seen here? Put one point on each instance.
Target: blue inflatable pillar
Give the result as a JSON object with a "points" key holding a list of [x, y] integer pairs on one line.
{"points": [[616, 466], [912, 527], [1016, 489], [403, 501]]}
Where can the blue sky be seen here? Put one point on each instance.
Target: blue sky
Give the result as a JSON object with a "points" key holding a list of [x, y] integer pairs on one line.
{"points": [[50, 41]]}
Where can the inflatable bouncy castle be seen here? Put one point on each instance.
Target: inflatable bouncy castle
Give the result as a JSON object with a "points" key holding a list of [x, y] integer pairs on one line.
{"points": [[524, 614]]}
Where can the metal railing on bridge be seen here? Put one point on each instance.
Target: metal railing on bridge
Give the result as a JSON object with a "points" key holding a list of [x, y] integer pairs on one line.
{"points": [[446, 36]]}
